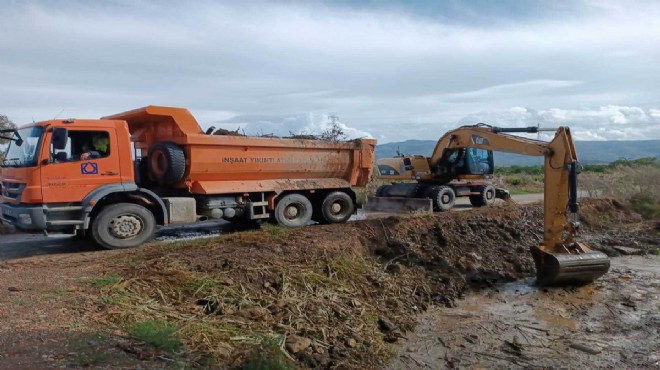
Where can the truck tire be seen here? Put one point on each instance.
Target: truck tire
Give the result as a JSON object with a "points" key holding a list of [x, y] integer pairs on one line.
{"points": [[167, 163], [443, 198], [486, 197], [123, 225], [293, 210], [337, 207]]}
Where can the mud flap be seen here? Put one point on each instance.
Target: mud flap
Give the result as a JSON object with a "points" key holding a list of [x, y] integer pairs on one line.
{"points": [[398, 204], [563, 269]]}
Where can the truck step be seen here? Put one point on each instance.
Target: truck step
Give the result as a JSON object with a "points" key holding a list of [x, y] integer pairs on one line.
{"points": [[65, 209], [65, 223]]}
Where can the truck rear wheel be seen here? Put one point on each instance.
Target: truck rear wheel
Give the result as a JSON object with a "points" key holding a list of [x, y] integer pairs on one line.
{"points": [[123, 225], [443, 198], [337, 207], [486, 197], [293, 210], [167, 163]]}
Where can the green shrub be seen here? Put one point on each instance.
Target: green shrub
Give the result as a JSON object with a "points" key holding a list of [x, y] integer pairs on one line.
{"points": [[645, 205], [159, 334], [268, 356], [105, 280], [514, 180]]}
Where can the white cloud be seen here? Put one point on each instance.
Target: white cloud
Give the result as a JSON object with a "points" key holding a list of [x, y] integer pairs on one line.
{"points": [[603, 123], [392, 71], [304, 124], [512, 89]]}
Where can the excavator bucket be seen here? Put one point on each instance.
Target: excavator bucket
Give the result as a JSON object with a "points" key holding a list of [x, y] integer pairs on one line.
{"points": [[581, 266]]}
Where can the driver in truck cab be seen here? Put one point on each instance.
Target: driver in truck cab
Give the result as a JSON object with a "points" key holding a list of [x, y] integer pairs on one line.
{"points": [[98, 148]]}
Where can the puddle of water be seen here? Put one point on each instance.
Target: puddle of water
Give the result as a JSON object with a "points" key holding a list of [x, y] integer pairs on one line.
{"points": [[558, 321]]}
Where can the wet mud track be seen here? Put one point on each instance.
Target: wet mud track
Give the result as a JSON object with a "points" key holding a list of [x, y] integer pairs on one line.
{"points": [[612, 323]]}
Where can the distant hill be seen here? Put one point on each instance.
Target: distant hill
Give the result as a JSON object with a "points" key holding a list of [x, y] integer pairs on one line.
{"points": [[589, 152]]}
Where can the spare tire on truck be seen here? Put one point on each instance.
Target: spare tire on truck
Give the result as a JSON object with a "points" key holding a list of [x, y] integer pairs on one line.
{"points": [[167, 163]]}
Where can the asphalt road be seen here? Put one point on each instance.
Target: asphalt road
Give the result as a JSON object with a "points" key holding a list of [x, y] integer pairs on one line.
{"points": [[14, 246]]}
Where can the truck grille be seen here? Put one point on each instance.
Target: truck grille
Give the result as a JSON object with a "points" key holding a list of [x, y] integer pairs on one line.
{"points": [[12, 190]]}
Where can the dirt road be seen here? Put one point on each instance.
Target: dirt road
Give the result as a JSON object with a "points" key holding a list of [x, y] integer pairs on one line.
{"points": [[613, 323], [25, 245]]}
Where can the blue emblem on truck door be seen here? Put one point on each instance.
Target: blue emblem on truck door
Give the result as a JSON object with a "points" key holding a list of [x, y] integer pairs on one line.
{"points": [[89, 168]]}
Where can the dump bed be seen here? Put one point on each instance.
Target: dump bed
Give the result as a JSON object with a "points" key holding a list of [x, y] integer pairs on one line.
{"points": [[226, 164]]}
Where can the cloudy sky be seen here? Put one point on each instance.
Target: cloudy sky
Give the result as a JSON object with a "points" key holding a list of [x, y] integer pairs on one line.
{"points": [[394, 70]]}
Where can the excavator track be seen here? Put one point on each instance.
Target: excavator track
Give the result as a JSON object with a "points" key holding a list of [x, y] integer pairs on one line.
{"points": [[564, 269]]}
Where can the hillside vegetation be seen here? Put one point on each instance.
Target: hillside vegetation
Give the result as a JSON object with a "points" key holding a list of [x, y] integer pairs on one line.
{"points": [[592, 152], [634, 182]]}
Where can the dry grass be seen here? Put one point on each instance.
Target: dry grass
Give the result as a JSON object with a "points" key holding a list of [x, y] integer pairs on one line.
{"points": [[637, 187], [224, 311]]}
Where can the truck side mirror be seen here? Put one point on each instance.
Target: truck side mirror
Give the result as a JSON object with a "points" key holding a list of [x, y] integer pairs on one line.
{"points": [[59, 138]]}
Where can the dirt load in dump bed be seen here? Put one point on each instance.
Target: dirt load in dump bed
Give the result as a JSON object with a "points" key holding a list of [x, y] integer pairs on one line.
{"points": [[332, 296]]}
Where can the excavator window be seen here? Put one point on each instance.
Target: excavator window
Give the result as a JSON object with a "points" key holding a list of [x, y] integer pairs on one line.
{"points": [[468, 161], [478, 161]]}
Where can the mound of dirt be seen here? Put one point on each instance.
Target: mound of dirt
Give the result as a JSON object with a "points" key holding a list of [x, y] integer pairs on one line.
{"points": [[603, 213]]}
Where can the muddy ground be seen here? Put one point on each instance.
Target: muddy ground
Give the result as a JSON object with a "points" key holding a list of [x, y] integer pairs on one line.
{"points": [[613, 323], [336, 296]]}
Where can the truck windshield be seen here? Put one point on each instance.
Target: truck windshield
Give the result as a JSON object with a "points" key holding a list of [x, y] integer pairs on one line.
{"points": [[26, 154]]}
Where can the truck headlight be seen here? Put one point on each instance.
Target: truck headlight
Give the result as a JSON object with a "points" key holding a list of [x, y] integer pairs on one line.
{"points": [[25, 219]]}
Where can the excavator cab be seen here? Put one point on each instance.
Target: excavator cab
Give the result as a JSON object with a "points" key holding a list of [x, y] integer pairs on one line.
{"points": [[468, 162]]}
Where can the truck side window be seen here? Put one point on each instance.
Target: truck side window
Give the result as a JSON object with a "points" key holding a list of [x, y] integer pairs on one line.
{"points": [[84, 145]]}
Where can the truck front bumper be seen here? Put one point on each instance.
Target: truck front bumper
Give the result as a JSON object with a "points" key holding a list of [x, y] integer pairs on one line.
{"points": [[23, 217]]}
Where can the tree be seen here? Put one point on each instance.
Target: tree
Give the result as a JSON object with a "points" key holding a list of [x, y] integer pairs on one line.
{"points": [[335, 132], [5, 123]]}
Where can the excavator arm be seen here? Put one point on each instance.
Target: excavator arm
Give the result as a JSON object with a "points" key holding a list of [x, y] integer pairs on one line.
{"points": [[558, 259]]}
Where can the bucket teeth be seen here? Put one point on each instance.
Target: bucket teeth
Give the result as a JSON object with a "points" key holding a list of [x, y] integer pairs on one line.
{"points": [[561, 269]]}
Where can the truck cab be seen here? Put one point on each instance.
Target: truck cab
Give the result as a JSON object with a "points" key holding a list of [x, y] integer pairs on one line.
{"points": [[54, 172]]}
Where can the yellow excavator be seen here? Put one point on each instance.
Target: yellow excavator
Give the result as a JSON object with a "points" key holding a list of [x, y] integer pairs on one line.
{"points": [[464, 156]]}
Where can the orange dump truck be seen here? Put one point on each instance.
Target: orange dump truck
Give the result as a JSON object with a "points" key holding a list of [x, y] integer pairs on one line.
{"points": [[116, 178]]}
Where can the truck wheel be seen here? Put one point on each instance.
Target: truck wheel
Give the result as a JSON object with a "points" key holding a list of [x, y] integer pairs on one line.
{"points": [[486, 197], [443, 198], [167, 163], [123, 225], [293, 210], [337, 207]]}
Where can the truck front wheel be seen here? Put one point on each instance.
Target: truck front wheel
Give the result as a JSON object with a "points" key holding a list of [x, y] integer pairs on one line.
{"points": [[293, 210], [123, 225]]}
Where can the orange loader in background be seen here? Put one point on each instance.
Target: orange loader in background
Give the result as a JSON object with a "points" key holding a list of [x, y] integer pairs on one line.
{"points": [[82, 177]]}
